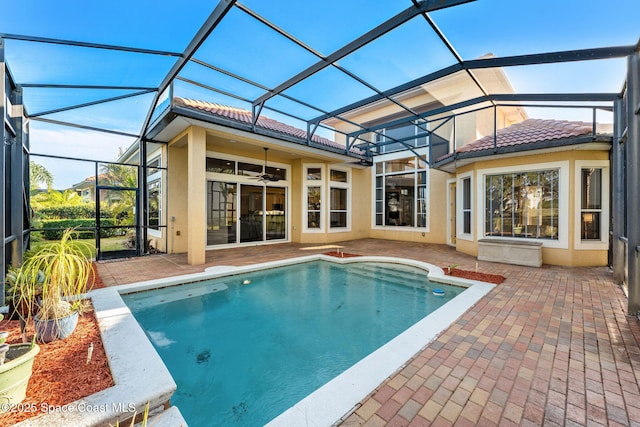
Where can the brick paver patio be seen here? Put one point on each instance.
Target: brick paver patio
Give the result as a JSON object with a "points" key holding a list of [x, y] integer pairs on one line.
{"points": [[550, 346]]}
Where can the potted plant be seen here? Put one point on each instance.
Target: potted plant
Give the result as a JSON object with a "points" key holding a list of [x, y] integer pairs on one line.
{"points": [[55, 301], [16, 366]]}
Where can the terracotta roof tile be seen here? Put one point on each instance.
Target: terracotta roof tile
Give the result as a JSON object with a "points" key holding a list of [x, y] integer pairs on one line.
{"points": [[244, 116], [529, 132]]}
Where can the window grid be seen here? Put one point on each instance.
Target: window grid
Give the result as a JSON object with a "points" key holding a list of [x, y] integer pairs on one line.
{"points": [[339, 199], [591, 206], [396, 203], [466, 205], [314, 195], [523, 205]]}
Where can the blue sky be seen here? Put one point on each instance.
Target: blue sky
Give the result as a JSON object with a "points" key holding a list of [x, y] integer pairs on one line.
{"points": [[241, 45]]}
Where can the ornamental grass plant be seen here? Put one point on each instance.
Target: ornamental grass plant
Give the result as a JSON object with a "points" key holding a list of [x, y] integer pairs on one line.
{"points": [[51, 280]]}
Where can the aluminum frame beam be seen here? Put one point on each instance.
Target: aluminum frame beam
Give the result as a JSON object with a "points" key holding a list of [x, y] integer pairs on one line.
{"points": [[65, 86], [617, 192], [509, 61], [254, 84], [219, 12], [3, 160], [48, 40], [89, 104], [258, 85], [453, 51], [380, 30], [554, 97], [17, 160], [75, 125], [633, 182], [231, 95], [258, 106]]}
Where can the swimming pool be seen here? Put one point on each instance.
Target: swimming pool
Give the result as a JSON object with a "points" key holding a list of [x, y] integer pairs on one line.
{"points": [[244, 348]]}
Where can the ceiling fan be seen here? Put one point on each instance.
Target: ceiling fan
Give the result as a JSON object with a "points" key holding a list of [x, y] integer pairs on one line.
{"points": [[266, 177]]}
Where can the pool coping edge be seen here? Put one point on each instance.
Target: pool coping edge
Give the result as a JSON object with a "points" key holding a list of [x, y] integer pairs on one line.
{"points": [[140, 375]]}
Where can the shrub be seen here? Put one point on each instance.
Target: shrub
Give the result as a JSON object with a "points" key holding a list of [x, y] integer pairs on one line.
{"points": [[66, 212], [54, 228]]}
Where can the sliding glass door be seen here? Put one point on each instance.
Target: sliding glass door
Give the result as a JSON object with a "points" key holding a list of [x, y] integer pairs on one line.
{"points": [[221, 213], [275, 213], [242, 213], [251, 213]]}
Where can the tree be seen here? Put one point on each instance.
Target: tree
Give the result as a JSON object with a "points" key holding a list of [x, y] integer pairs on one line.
{"points": [[120, 203], [39, 175], [56, 198]]}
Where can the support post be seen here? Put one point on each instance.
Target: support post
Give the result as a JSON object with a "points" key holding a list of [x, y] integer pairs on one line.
{"points": [[3, 210], [617, 192], [142, 220], [17, 184], [196, 198], [633, 181]]}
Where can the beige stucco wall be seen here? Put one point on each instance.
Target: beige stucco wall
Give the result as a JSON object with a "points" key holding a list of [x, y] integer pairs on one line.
{"points": [[360, 195], [569, 256], [186, 191], [361, 226], [176, 196]]}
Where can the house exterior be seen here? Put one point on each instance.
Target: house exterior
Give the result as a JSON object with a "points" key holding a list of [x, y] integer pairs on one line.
{"points": [[543, 180], [224, 181], [86, 189]]}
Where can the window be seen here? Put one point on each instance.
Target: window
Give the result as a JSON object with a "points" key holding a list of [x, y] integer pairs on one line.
{"points": [[221, 165], [232, 167], [522, 204], [314, 190], [338, 199], [401, 193], [466, 205], [249, 169], [153, 166], [397, 138], [338, 214], [314, 203], [591, 207], [154, 193], [314, 174], [155, 189]]}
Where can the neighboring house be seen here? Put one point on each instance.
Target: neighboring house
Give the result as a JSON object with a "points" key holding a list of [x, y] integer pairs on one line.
{"points": [[87, 190], [543, 180]]}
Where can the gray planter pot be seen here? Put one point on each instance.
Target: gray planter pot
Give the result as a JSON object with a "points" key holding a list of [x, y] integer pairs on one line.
{"points": [[55, 329]]}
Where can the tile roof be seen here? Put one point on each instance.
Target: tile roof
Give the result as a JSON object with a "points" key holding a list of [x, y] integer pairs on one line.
{"points": [[531, 131], [244, 116]]}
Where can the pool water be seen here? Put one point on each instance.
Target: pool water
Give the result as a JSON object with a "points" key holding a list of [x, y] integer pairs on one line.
{"points": [[244, 348]]}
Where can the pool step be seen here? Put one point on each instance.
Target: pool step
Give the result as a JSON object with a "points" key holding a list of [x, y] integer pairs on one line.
{"points": [[390, 275], [175, 293]]}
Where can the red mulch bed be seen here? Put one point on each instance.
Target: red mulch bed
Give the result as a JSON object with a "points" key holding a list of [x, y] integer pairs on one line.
{"points": [[61, 373], [474, 275]]}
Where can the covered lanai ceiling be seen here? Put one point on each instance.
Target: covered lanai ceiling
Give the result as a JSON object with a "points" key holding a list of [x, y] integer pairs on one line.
{"points": [[92, 76]]}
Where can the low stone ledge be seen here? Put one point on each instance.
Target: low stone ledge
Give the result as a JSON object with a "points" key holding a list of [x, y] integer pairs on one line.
{"points": [[517, 252]]}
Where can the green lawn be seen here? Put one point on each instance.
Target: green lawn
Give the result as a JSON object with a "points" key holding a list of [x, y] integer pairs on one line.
{"points": [[107, 244]]}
